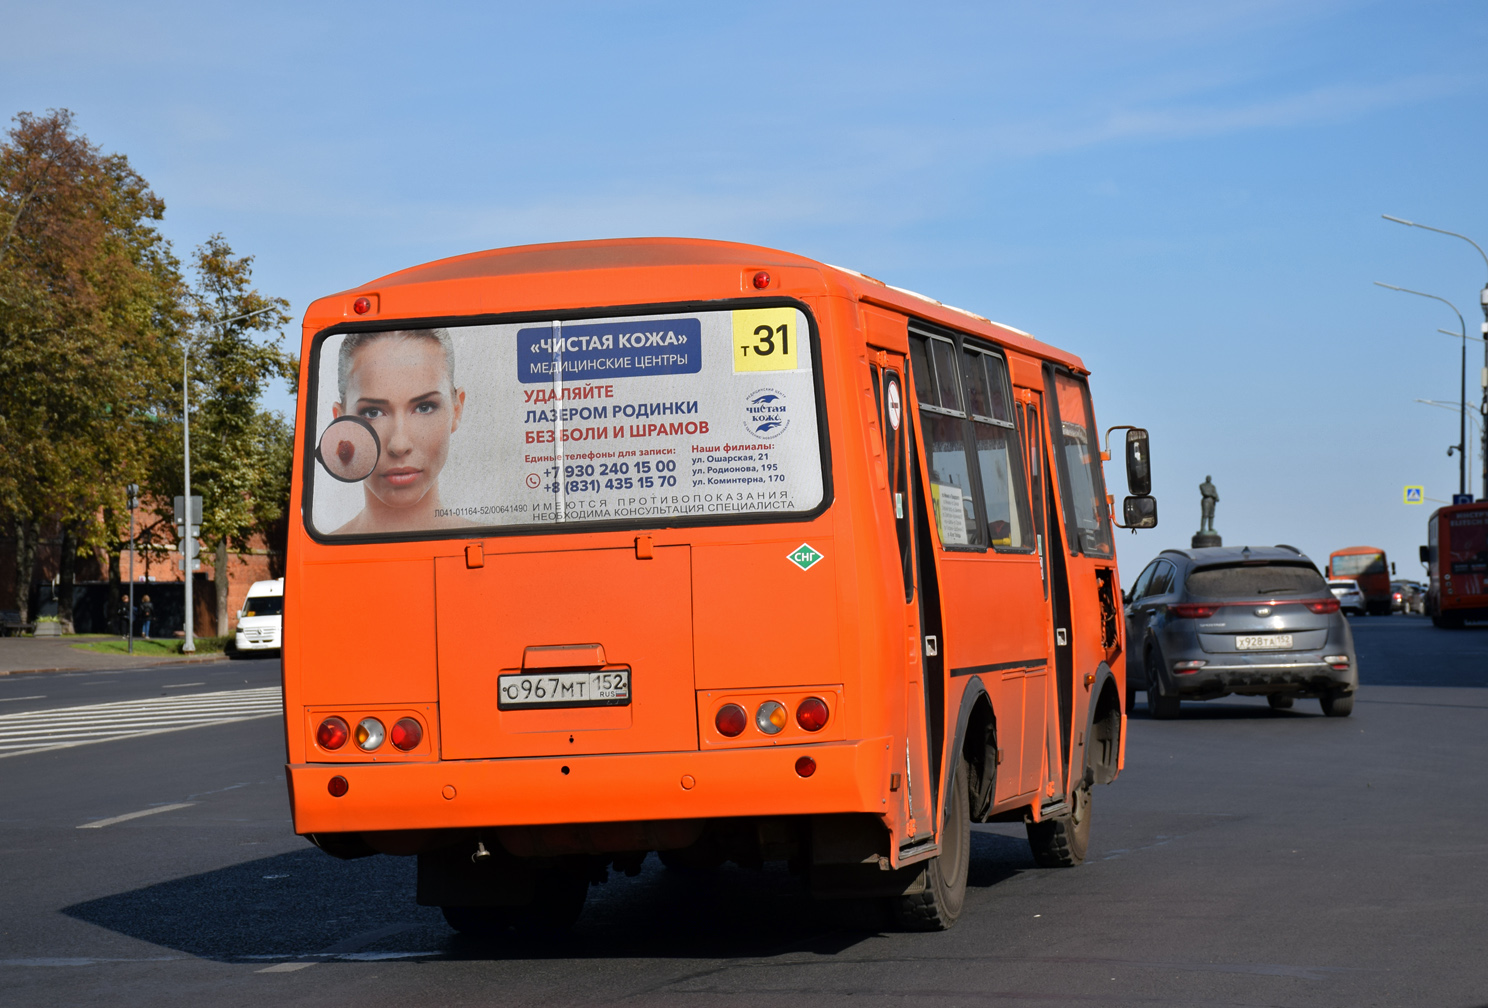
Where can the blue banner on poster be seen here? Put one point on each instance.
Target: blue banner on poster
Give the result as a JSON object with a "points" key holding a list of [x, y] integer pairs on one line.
{"points": [[624, 348]]}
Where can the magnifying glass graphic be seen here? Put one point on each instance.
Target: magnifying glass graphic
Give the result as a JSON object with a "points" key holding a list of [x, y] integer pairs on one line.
{"points": [[349, 449]]}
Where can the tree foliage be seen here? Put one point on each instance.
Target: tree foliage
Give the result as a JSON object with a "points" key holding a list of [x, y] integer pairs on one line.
{"points": [[90, 312]]}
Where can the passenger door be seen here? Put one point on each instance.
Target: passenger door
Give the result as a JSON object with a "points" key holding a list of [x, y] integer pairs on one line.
{"points": [[892, 419]]}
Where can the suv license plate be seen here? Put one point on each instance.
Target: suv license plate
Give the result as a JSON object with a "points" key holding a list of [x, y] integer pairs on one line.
{"points": [[1267, 642], [535, 690]]}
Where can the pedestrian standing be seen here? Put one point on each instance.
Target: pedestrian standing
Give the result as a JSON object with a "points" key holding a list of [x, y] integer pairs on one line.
{"points": [[147, 613]]}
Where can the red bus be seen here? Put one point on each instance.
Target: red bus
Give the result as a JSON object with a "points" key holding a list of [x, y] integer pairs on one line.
{"points": [[605, 548], [1366, 565], [1456, 558]]}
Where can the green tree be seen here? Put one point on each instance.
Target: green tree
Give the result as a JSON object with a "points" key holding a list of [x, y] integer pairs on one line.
{"points": [[89, 314], [238, 450]]}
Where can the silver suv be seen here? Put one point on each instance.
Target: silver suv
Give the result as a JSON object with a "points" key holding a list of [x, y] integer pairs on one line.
{"points": [[1253, 620]]}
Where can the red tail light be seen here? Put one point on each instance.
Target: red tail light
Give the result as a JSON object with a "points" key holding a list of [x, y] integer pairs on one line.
{"points": [[1193, 610], [407, 734], [730, 720], [332, 733], [812, 714], [1324, 605]]}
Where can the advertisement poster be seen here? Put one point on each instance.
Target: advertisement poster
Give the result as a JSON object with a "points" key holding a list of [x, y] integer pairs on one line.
{"points": [[686, 415]]}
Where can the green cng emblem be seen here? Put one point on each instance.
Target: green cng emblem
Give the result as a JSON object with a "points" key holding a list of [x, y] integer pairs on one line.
{"points": [[804, 557]]}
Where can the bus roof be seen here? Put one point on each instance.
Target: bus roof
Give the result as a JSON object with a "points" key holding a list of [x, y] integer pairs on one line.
{"points": [[616, 254], [1348, 550]]}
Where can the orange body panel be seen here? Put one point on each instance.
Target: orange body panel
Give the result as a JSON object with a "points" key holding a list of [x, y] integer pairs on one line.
{"points": [[698, 612]]}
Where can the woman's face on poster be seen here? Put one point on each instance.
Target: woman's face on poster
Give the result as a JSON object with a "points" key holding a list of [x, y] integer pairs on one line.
{"points": [[402, 387]]}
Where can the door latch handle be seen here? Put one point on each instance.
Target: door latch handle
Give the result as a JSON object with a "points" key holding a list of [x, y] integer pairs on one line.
{"points": [[932, 647]]}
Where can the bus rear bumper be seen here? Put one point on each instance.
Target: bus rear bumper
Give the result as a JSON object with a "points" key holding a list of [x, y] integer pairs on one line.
{"points": [[849, 777]]}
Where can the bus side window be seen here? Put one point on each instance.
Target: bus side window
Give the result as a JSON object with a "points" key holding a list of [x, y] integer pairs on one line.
{"points": [[1004, 493], [943, 427]]}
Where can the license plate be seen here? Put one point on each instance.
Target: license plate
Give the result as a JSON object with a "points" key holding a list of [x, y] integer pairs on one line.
{"points": [[534, 690], [1267, 642]]}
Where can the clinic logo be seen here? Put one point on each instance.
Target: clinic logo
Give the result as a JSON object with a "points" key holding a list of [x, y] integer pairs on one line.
{"points": [[765, 413]]}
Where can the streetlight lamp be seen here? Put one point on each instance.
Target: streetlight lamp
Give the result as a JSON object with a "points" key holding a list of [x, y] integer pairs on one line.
{"points": [[1462, 420], [189, 644], [1483, 299]]}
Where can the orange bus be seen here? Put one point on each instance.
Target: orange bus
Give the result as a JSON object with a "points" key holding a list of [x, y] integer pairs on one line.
{"points": [[1366, 565], [1456, 559], [659, 545]]}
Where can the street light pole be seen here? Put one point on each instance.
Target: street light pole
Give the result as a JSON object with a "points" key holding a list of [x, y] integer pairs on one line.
{"points": [[1461, 420], [188, 646], [1483, 300], [132, 491]]}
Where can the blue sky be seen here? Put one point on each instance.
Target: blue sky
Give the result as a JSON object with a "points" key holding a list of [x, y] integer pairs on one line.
{"points": [[1187, 195]]}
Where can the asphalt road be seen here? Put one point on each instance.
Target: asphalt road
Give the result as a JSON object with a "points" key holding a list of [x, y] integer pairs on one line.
{"points": [[1244, 857]]}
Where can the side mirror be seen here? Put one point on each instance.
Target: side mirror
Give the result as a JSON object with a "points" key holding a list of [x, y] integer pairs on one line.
{"points": [[1138, 463], [1392, 568], [1139, 512], [1425, 554]]}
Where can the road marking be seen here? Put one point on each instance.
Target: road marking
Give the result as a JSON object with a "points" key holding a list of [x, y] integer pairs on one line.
{"points": [[100, 823], [65, 727], [182, 685], [346, 949], [13, 699]]}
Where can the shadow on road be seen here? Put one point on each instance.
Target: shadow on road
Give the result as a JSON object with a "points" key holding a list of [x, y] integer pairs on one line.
{"points": [[306, 904]]}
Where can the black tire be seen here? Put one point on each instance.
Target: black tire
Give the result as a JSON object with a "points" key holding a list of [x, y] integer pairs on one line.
{"points": [[1062, 841], [1337, 703], [941, 903], [1280, 701], [478, 920], [1160, 705]]}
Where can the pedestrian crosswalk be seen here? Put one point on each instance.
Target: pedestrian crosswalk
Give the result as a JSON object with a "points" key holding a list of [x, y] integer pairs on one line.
{"points": [[64, 727]]}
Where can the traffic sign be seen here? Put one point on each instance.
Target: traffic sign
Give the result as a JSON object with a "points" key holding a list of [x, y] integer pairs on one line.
{"points": [[196, 509], [1462, 498], [1415, 494]]}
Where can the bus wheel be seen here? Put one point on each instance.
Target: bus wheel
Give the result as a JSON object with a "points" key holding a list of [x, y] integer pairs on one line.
{"points": [[1061, 841], [478, 920], [1160, 705], [940, 904], [1337, 703]]}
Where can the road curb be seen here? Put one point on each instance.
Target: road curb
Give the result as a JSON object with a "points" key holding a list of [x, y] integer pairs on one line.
{"points": [[205, 659]]}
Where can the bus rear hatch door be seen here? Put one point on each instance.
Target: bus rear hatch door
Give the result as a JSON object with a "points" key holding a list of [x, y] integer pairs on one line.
{"points": [[565, 653]]}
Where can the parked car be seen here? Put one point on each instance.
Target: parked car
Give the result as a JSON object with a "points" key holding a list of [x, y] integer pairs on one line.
{"points": [[1253, 620], [261, 620], [1349, 595]]}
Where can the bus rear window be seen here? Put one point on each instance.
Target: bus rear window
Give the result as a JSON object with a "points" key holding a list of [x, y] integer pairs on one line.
{"points": [[1256, 581], [1353, 564], [437, 432]]}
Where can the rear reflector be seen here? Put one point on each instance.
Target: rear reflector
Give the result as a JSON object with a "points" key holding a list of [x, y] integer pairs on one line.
{"points": [[1188, 666], [730, 720], [812, 714], [337, 786], [1193, 610], [332, 734], [407, 734], [805, 766]]}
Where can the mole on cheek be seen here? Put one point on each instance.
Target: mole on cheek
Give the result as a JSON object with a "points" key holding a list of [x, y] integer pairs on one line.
{"points": [[344, 451]]}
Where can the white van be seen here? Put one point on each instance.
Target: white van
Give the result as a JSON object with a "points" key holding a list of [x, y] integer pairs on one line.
{"points": [[261, 621]]}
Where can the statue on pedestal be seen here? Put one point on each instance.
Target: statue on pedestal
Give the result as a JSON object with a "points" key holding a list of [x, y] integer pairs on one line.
{"points": [[1208, 497]]}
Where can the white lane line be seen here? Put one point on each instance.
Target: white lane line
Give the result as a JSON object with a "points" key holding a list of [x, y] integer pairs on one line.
{"points": [[346, 949], [182, 685], [40, 731], [13, 699], [131, 735], [100, 823]]}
